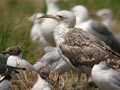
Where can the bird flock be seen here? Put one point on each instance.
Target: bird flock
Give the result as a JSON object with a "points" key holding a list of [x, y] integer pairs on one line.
{"points": [[72, 40]]}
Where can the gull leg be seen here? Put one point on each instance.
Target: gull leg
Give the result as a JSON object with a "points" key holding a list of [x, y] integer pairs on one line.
{"points": [[87, 77], [79, 76]]}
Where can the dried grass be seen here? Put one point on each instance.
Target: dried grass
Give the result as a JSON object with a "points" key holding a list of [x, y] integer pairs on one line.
{"points": [[26, 79]]}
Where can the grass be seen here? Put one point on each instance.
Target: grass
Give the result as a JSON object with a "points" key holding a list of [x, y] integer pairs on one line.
{"points": [[14, 31], [14, 12], [26, 79]]}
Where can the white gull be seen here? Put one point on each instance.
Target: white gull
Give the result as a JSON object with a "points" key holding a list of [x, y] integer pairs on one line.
{"points": [[35, 33], [105, 77]]}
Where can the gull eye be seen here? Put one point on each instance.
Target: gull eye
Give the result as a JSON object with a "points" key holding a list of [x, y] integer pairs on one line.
{"points": [[61, 17]]}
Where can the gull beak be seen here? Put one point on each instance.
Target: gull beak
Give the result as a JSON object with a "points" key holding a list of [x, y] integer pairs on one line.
{"points": [[5, 52], [48, 16], [95, 16], [27, 19]]}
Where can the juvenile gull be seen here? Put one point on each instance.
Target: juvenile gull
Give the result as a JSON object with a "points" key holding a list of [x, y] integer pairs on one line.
{"points": [[43, 80], [15, 60], [95, 28], [105, 77], [35, 33], [106, 16], [77, 47]]}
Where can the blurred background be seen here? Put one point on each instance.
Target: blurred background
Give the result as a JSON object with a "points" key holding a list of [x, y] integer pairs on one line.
{"points": [[14, 31]]}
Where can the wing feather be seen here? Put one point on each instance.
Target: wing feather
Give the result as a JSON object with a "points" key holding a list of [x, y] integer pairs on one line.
{"points": [[81, 48]]}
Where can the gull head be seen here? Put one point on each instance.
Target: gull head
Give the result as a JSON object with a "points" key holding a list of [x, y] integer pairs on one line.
{"points": [[81, 13], [34, 17], [14, 50], [105, 14], [63, 17], [44, 72]]}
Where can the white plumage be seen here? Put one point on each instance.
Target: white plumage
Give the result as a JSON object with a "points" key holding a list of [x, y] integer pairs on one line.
{"points": [[18, 62], [42, 32], [105, 77], [53, 59], [41, 84], [15, 59], [35, 33], [47, 31]]}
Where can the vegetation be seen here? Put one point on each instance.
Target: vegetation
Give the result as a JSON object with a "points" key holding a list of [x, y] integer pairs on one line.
{"points": [[14, 31]]}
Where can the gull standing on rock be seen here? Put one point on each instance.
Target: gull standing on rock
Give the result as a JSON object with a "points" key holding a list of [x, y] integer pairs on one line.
{"points": [[79, 48], [105, 77], [95, 28]]}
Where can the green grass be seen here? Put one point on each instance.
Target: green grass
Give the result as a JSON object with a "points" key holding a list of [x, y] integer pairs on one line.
{"points": [[14, 31]]}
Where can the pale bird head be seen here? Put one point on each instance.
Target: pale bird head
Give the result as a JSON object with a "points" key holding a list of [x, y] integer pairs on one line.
{"points": [[105, 14], [63, 17], [81, 13], [34, 18]]}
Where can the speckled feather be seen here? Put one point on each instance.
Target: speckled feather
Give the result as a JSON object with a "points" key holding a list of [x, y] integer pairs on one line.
{"points": [[82, 48]]}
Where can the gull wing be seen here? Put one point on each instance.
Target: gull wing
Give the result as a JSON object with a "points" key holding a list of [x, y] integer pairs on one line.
{"points": [[115, 78], [82, 48], [106, 35]]}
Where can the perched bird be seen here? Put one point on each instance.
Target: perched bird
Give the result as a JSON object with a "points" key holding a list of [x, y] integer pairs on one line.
{"points": [[53, 59], [105, 77], [43, 80], [106, 16], [35, 33], [77, 47], [47, 31], [95, 28], [15, 60], [5, 83]]}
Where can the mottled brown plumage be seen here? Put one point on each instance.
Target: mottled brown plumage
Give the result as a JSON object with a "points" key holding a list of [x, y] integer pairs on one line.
{"points": [[79, 48], [14, 50], [82, 48]]}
